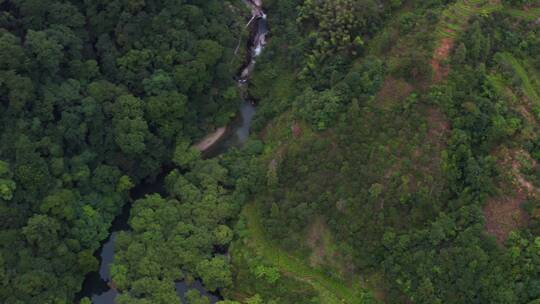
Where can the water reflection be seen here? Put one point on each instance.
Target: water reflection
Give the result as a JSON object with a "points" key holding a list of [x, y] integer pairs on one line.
{"points": [[238, 131]]}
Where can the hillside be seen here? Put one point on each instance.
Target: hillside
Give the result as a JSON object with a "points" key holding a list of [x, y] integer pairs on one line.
{"points": [[405, 165], [269, 152]]}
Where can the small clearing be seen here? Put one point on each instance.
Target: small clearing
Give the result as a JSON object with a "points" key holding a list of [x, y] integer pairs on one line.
{"points": [[439, 126], [317, 241], [393, 91], [436, 141], [440, 69], [504, 213], [330, 289], [527, 13], [324, 252], [454, 20], [527, 78]]}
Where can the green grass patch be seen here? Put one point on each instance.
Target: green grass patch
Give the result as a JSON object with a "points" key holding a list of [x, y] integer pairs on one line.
{"points": [[455, 17], [282, 83], [524, 76], [501, 87], [330, 290], [528, 15]]}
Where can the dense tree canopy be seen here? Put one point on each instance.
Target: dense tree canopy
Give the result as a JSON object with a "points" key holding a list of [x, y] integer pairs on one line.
{"points": [[94, 97], [394, 155]]}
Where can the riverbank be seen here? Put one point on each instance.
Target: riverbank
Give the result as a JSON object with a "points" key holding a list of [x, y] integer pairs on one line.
{"points": [[211, 139], [257, 42]]}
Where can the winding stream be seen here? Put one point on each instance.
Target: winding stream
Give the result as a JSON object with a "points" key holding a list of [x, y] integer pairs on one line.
{"points": [[97, 284]]}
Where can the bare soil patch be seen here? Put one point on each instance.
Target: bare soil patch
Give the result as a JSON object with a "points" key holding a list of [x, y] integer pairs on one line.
{"points": [[436, 141], [504, 213], [439, 127], [296, 130], [441, 54], [316, 242], [393, 91], [426, 157], [324, 253]]}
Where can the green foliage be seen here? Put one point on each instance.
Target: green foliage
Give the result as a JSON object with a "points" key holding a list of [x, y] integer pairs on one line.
{"points": [[12, 55], [228, 302], [86, 301], [2, 270], [4, 168], [319, 108], [223, 235], [97, 96], [209, 52], [524, 255], [340, 25], [130, 128], [7, 185], [517, 2], [270, 274], [60, 205], [89, 227], [185, 154], [41, 232], [86, 261], [124, 184], [165, 111], [256, 299], [403, 186], [215, 273], [173, 238], [193, 296], [94, 97], [45, 50]]}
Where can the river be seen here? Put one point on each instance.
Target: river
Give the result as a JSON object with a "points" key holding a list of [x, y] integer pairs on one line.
{"points": [[96, 285]]}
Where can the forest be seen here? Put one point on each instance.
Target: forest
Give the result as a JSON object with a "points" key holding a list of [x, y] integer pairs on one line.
{"points": [[393, 155]]}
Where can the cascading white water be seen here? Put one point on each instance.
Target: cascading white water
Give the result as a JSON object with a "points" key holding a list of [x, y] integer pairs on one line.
{"points": [[259, 39], [236, 133]]}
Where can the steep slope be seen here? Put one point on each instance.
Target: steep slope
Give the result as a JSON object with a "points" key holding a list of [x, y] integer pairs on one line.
{"points": [[399, 160]]}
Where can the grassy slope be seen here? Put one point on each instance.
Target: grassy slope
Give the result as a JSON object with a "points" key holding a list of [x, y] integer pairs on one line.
{"points": [[278, 136], [330, 290], [529, 15], [520, 89], [525, 77], [456, 16]]}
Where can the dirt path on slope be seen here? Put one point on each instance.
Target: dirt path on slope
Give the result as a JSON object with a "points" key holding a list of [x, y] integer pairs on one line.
{"points": [[438, 62]]}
